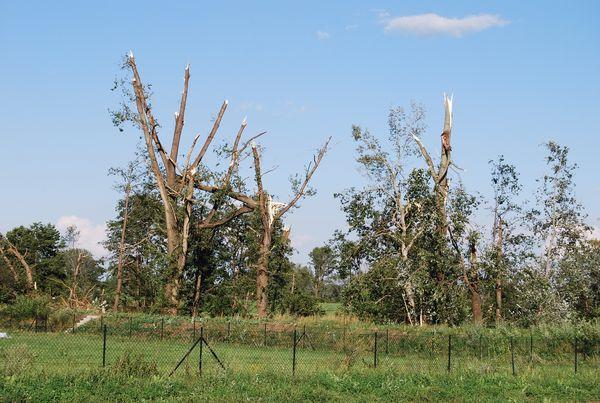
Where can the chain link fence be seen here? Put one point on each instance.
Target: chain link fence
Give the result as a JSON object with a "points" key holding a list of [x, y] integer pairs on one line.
{"points": [[172, 346]]}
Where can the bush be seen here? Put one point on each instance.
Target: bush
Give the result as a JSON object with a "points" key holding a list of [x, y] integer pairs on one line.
{"points": [[301, 304], [28, 307], [134, 365], [15, 360]]}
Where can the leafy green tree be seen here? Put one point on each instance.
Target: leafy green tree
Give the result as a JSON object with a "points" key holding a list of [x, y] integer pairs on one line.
{"points": [[558, 220], [39, 245], [322, 260]]}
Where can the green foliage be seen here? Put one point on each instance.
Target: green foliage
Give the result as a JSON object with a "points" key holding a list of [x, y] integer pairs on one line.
{"points": [[301, 303], [352, 385], [134, 365], [28, 307], [16, 360]]}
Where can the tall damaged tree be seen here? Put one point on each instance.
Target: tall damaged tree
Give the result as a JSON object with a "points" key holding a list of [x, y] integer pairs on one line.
{"points": [[439, 174], [270, 212], [397, 224], [441, 187], [506, 187], [12, 249], [177, 183]]}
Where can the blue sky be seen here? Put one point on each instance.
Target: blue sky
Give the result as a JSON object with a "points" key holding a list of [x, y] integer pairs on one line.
{"points": [[521, 72]]}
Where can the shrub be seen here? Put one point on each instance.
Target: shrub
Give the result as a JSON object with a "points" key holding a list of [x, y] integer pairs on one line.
{"points": [[15, 360], [301, 304], [27, 307], [134, 365]]}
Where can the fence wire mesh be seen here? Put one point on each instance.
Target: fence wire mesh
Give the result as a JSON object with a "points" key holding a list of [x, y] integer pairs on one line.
{"points": [[172, 346]]}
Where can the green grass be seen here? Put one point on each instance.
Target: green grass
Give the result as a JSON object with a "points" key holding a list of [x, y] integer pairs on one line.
{"points": [[68, 367], [102, 385]]}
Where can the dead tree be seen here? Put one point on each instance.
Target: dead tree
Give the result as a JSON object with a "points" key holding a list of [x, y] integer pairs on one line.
{"points": [[472, 281], [499, 269], [439, 174], [122, 248], [9, 264], [177, 184], [270, 212], [75, 277], [26, 266]]}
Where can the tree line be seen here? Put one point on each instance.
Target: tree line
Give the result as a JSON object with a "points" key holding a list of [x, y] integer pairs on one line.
{"points": [[189, 237]]}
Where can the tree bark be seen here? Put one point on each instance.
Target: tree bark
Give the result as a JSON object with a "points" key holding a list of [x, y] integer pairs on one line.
{"points": [[122, 249], [74, 280], [28, 269], [9, 264], [499, 272], [262, 274], [473, 285], [269, 213], [177, 190]]}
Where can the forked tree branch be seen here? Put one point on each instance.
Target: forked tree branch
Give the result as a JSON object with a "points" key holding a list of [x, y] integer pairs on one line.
{"points": [[311, 170]]}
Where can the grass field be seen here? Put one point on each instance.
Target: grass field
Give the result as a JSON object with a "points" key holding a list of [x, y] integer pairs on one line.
{"points": [[61, 366]]}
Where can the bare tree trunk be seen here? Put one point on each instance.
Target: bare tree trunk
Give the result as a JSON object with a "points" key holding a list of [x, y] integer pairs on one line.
{"points": [[197, 292], [122, 249], [499, 272], [76, 269], [9, 264], [439, 174], [269, 213], [293, 288], [410, 296], [262, 273], [177, 188], [28, 269], [473, 285]]}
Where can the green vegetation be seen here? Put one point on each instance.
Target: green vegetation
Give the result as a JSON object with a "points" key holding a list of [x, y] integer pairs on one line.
{"points": [[103, 385], [410, 365]]}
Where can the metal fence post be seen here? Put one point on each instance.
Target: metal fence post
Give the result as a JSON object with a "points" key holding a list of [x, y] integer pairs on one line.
{"points": [[575, 351], [101, 322], [103, 345], [193, 329], [294, 342], [449, 351], [375, 351], [512, 355], [200, 352]]}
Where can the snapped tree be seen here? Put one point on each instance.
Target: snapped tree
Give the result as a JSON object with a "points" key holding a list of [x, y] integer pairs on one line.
{"points": [[270, 212], [177, 183]]}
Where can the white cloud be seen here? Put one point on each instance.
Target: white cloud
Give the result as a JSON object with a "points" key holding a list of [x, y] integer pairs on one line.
{"points": [[351, 27], [90, 234], [322, 35], [434, 24]]}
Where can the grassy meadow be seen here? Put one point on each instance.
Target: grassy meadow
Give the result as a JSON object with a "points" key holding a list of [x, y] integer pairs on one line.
{"points": [[335, 360]]}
